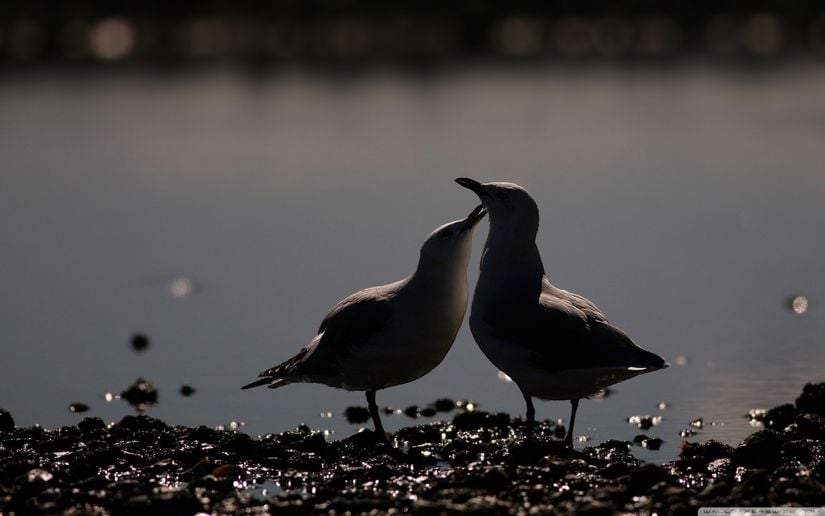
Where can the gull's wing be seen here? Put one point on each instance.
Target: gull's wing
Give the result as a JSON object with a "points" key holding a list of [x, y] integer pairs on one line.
{"points": [[566, 331], [351, 322]]}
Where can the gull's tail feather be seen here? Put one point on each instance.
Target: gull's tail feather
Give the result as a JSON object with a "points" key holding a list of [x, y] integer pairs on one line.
{"points": [[277, 376]]}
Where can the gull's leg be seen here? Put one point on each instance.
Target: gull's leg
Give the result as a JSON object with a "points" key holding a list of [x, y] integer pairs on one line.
{"points": [[574, 405], [531, 412], [376, 419]]}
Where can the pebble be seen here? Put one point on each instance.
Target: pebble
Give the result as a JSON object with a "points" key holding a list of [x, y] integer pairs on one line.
{"points": [[78, 408], [140, 342]]}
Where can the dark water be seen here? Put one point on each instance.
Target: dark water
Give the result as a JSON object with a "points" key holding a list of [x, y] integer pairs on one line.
{"points": [[687, 204]]}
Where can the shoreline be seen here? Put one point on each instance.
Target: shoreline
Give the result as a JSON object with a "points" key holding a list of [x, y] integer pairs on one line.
{"points": [[475, 462]]}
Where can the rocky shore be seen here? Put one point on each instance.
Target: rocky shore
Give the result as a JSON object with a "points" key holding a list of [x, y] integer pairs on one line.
{"points": [[477, 462]]}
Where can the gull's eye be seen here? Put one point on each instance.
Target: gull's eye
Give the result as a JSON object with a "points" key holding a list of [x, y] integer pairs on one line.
{"points": [[446, 233], [501, 195]]}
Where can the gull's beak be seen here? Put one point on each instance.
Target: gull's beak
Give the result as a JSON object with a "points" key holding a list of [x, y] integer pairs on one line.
{"points": [[471, 184], [472, 219]]}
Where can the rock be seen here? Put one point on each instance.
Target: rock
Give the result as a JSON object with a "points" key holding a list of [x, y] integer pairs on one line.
{"points": [[444, 405], [78, 408], [141, 394], [6, 421], [411, 412], [645, 476], [759, 450], [139, 342], [645, 422], [802, 450], [427, 412], [779, 417], [809, 426], [475, 419], [653, 443], [141, 422], [91, 424], [812, 399], [615, 470], [228, 471], [356, 415], [187, 390], [708, 451]]}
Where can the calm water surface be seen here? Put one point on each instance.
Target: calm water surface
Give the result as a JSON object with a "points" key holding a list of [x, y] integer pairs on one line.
{"points": [[688, 204]]}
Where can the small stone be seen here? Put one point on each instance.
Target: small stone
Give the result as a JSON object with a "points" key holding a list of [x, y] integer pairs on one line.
{"points": [[39, 475], [759, 450], [229, 471], [474, 420], [187, 390], [78, 408], [646, 476], [444, 405], [779, 417], [411, 412], [654, 443], [6, 421], [756, 415], [91, 424], [708, 451], [140, 342], [356, 415], [644, 422], [812, 399], [427, 412], [141, 395]]}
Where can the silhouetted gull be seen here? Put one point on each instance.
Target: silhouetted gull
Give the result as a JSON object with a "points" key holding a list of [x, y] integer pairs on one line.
{"points": [[393, 334], [554, 344]]}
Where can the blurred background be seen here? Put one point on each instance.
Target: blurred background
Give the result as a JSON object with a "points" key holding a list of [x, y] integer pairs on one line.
{"points": [[214, 176]]}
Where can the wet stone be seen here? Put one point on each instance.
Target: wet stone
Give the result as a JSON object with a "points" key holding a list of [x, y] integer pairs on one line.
{"points": [[187, 390], [427, 412], [809, 426], [708, 451], [477, 419], [645, 476], [653, 443], [644, 422], [356, 415], [779, 417], [444, 405], [91, 424], [78, 408], [812, 399], [141, 394], [412, 412], [139, 342], [6, 421], [759, 450], [141, 422]]}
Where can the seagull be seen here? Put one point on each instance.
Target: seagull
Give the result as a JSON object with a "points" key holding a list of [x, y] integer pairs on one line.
{"points": [[384, 336], [554, 344]]}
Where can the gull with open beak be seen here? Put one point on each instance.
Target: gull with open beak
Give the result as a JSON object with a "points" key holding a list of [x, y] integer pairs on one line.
{"points": [[554, 344], [384, 336]]}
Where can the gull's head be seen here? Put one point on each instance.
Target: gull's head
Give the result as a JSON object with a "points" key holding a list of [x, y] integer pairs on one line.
{"points": [[452, 242], [508, 203]]}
